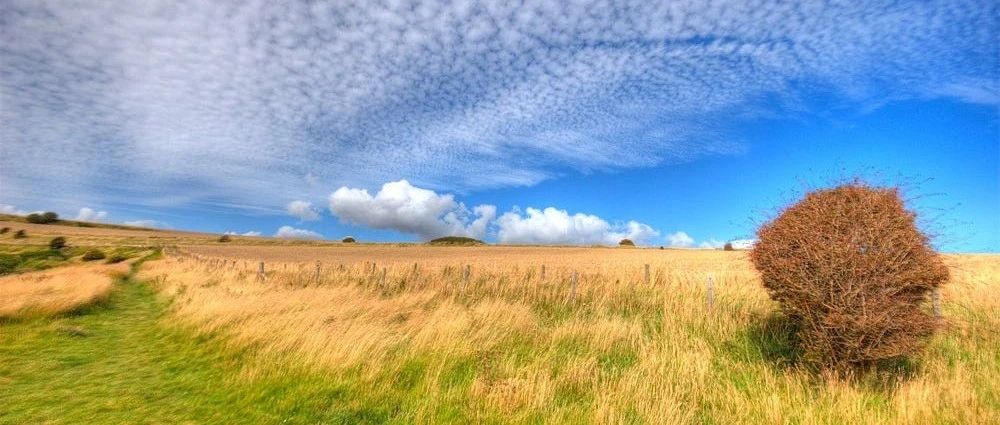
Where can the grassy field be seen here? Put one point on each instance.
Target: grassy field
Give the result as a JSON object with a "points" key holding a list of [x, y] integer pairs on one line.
{"points": [[199, 337]]}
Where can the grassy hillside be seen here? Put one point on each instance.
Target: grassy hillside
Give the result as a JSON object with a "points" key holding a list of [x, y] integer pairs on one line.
{"points": [[455, 241], [73, 223]]}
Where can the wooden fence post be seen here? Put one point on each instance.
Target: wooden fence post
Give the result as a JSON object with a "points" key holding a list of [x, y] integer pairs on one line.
{"points": [[647, 274], [317, 270], [260, 272], [543, 272], [710, 294]]}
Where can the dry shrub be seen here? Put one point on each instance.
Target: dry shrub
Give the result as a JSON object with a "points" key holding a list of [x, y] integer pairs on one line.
{"points": [[852, 271]]}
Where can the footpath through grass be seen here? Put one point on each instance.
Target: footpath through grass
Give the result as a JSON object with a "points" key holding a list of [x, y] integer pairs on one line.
{"points": [[121, 363]]}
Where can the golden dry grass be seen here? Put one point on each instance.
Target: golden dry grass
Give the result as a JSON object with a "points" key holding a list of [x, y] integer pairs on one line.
{"points": [[58, 290], [509, 344]]}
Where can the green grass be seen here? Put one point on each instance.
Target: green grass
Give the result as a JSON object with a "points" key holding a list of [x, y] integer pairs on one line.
{"points": [[123, 362], [32, 258]]}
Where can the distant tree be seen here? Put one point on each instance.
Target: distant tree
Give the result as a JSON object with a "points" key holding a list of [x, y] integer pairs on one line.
{"points": [[43, 218], [57, 243], [728, 246], [348, 240], [626, 242], [456, 240], [224, 238]]}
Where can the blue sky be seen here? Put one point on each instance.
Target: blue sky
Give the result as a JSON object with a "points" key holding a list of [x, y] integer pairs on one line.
{"points": [[682, 124]]}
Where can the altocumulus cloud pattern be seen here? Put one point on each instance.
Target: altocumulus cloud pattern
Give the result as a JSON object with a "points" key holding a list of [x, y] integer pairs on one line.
{"points": [[253, 103]]}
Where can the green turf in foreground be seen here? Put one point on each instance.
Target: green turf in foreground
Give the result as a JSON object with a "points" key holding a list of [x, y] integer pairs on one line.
{"points": [[119, 363]]}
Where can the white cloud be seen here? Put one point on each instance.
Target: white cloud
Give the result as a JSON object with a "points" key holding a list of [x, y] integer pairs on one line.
{"points": [[405, 208], [743, 243], [302, 210], [87, 214], [638, 232], [680, 240], [289, 232], [976, 91], [711, 244], [197, 95], [12, 210], [145, 223], [250, 233], [555, 226]]}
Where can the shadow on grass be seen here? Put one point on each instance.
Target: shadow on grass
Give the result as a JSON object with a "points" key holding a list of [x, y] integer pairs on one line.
{"points": [[775, 338]]}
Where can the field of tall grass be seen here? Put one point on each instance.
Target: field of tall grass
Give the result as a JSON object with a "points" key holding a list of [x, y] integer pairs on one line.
{"points": [[449, 334]]}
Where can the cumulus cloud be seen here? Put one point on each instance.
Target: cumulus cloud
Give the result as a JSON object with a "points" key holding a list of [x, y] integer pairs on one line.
{"points": [[289, 232], [555, 226], [12, 210], [711, 244], [146, 223], [743, 243], [302, 210], [405, 208], [680, 240], [250, 233], [242, 101], [88, 214]]}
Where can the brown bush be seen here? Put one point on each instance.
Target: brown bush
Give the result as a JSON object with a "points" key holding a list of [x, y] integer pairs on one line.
{"points": [[728, 246], [852, 271]]}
